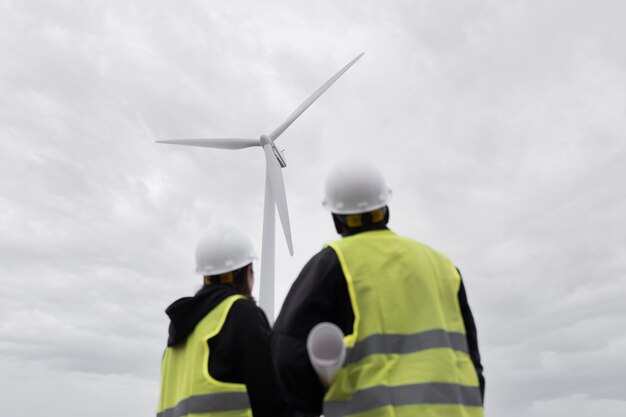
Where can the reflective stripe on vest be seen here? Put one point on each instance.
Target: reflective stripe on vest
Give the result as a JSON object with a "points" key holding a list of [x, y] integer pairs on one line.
{"points": [[207, 403], [186, 385], [381, 396], [402, 344], [408, 352]]}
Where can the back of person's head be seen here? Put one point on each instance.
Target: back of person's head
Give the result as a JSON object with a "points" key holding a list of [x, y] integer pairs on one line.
{"points": [[224, 255], [357, 195]]}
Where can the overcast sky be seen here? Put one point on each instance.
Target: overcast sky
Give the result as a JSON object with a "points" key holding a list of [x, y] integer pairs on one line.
{"points": [[500, 127]]}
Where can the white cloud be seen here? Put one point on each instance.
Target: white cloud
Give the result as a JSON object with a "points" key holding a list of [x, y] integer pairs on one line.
{"points": [[500, 128], [30, 389], [577, 405]]}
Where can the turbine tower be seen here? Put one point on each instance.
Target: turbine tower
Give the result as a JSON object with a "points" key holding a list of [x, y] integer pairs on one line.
{"points": [[274, 187]]}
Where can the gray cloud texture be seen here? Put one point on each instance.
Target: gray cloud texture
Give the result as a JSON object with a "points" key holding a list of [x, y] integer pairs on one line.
{"points": [[499, 126]]}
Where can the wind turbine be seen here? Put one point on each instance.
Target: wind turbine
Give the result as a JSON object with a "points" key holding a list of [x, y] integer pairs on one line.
{"points": [[274, 187]]}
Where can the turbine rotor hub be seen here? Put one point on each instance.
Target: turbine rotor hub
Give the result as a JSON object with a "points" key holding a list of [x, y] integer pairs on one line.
{"points": [[265, 140]]}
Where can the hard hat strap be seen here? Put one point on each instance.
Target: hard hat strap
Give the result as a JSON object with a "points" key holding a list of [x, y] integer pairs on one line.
{"points": [[225, 278], [363, 219], [354, 220], [347, 224], [378, 215]]}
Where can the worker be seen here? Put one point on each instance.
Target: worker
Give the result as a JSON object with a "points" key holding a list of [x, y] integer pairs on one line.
{"points": [[217, 361], [411, 344]]}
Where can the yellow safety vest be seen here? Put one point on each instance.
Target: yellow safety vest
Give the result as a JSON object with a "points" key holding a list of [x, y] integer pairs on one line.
{"points": [[408, 354], [187, 389]]}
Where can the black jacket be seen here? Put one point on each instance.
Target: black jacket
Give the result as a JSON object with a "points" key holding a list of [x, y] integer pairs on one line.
{"points": [[320, 293], [240, 352]]}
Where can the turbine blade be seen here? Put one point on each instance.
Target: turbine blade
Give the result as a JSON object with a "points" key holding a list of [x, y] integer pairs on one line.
{"points": [[266, 286], [275, 176], [280, 129], [219, 143]]}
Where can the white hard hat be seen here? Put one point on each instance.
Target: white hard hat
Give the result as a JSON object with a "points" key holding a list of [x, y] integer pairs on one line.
{"points": [[355, 186], [223, 249]]}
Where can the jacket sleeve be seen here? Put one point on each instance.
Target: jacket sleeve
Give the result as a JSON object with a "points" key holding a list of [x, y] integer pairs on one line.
{"points": [[472, 337], [245, 346], [319, 294]]}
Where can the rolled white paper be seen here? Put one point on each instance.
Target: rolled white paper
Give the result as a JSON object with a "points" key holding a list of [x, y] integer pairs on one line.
{"points": [[326, 350]]}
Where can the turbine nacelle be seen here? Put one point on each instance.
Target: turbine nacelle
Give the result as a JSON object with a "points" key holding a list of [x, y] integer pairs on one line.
{"points": [[279, 154]]}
